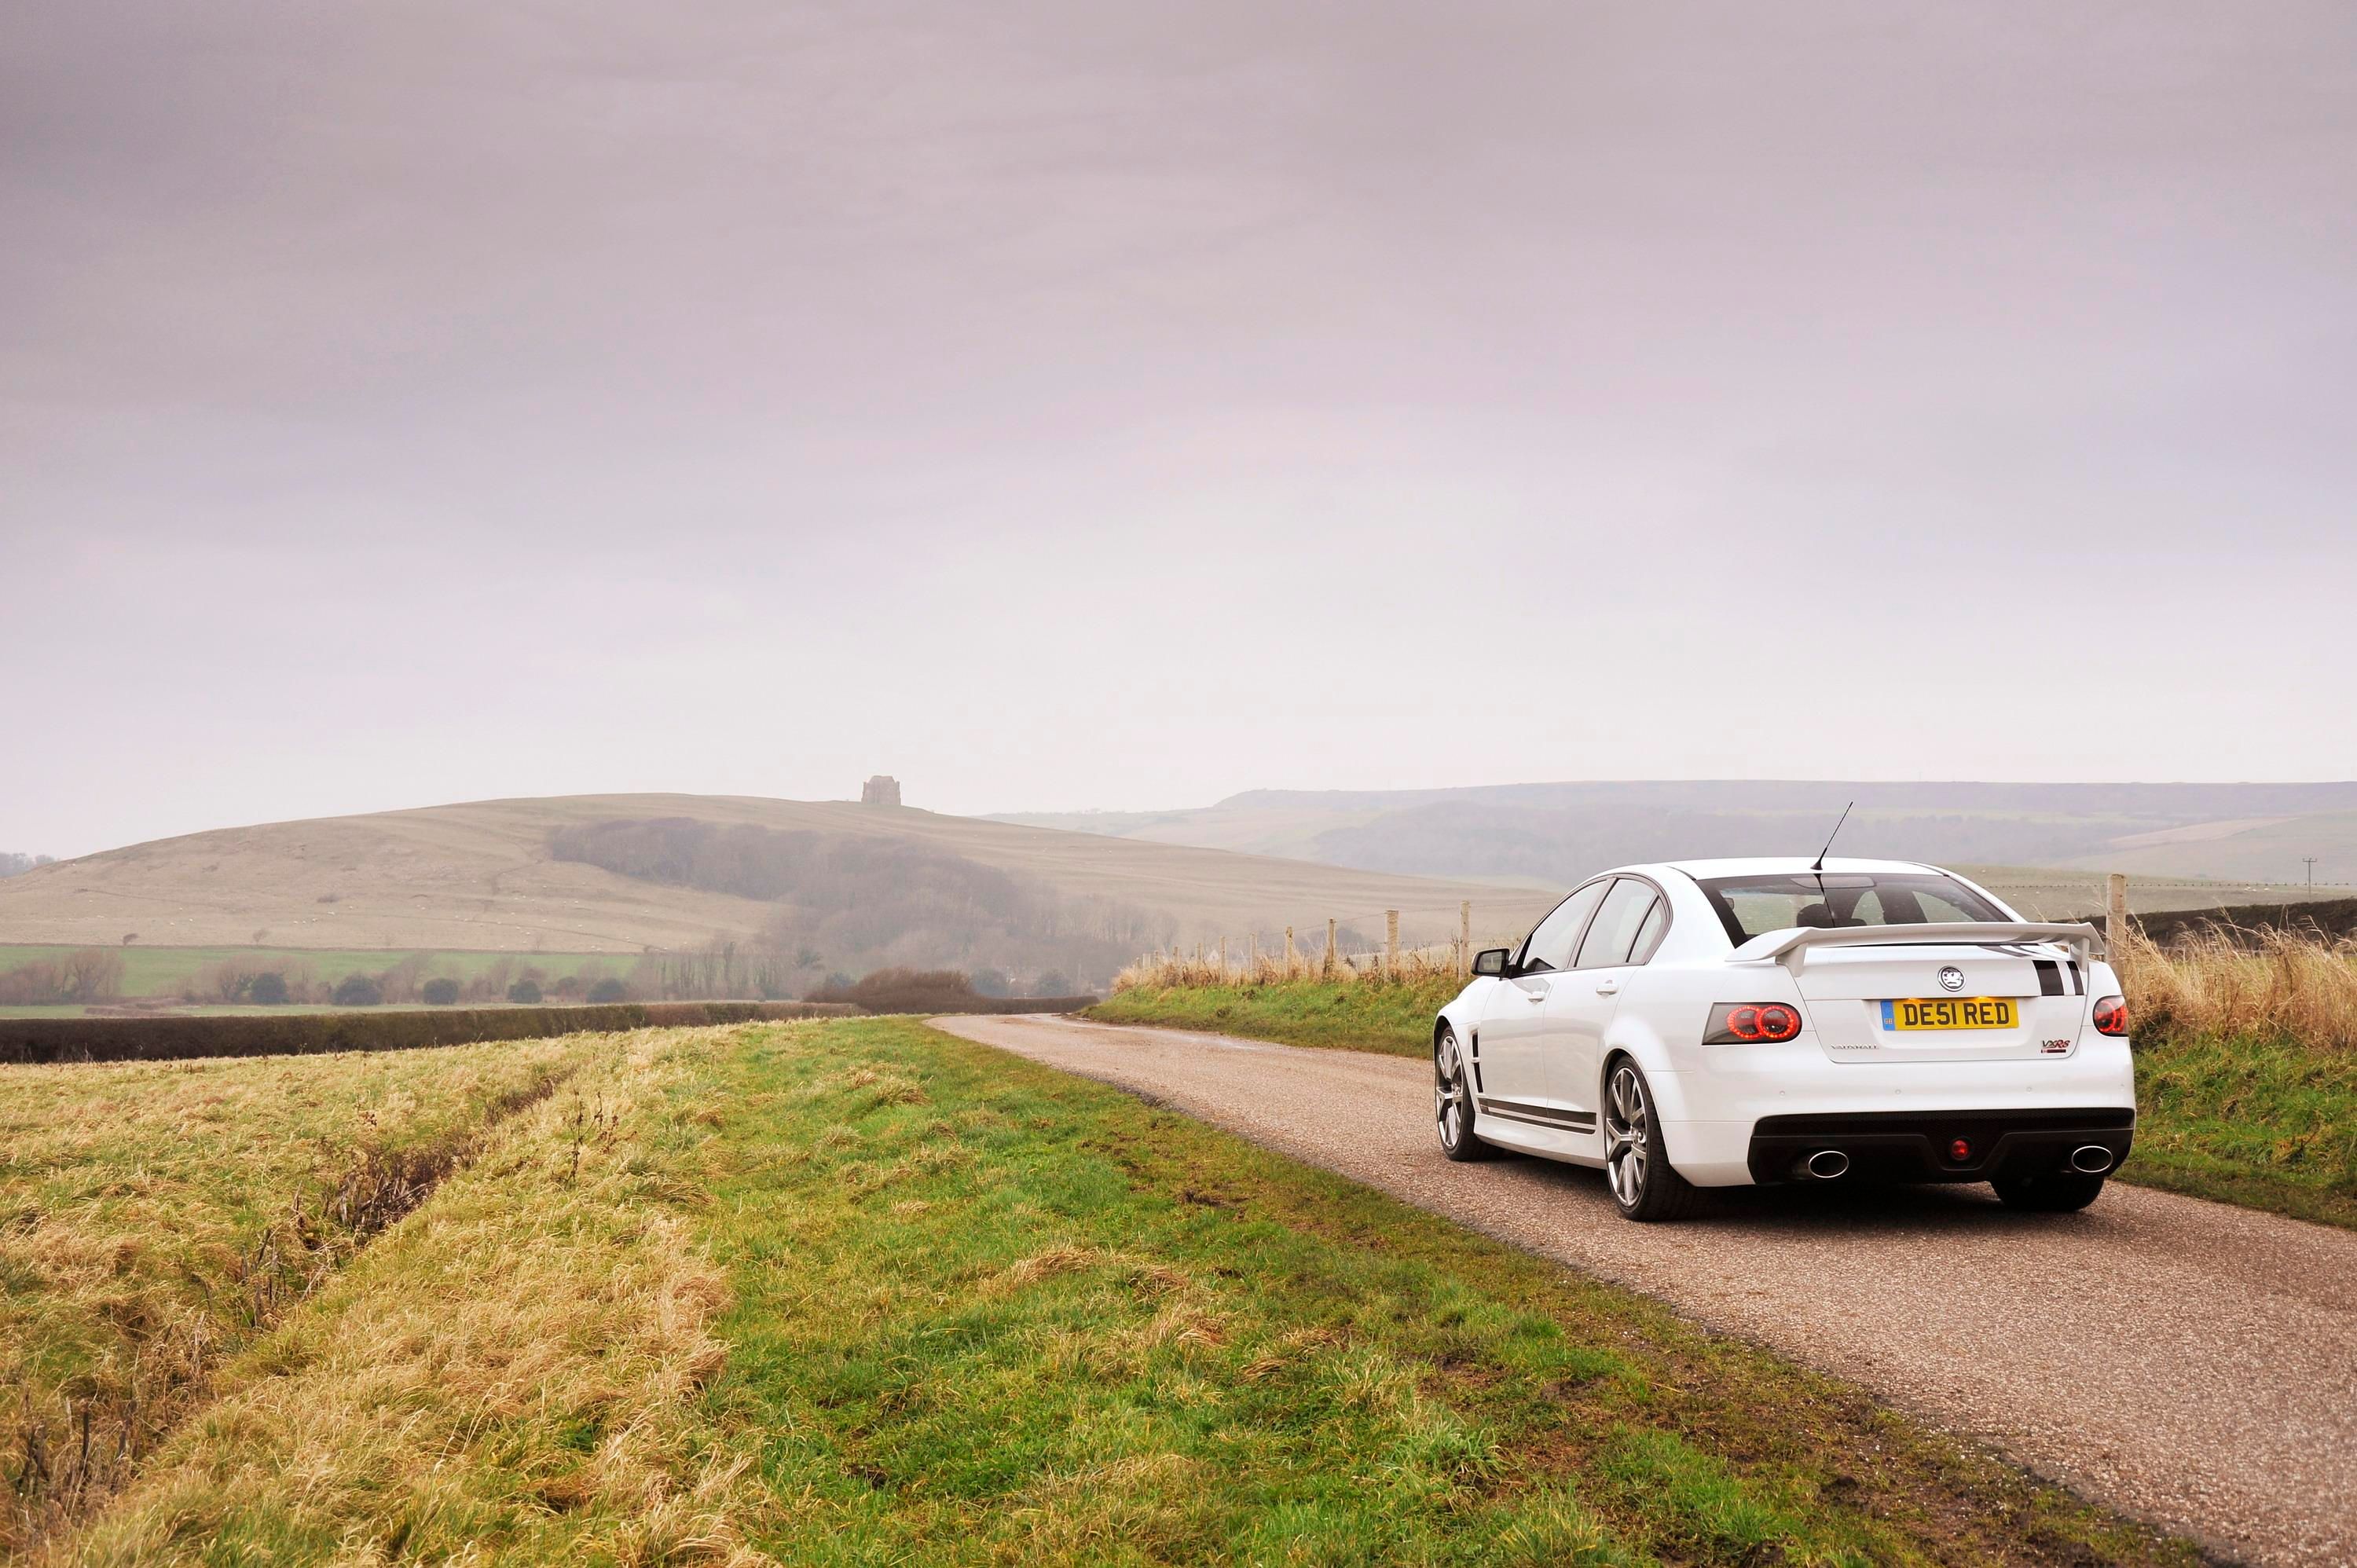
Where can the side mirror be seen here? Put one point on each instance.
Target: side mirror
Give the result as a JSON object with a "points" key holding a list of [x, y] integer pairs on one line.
{"points": [[1490, 961]]}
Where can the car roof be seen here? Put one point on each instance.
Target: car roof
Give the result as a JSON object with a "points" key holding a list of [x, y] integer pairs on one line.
{"points": [[1792, 866]]}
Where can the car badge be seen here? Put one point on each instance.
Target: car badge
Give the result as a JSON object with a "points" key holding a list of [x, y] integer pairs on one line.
{"points": [[1951, 978]]}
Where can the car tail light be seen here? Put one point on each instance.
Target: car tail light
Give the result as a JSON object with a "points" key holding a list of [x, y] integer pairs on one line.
{"points": [[2112, 1015], [1752, 1023]]}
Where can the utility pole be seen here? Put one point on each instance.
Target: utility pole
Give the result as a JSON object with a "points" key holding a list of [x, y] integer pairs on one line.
{"points": [[2309, 861]]}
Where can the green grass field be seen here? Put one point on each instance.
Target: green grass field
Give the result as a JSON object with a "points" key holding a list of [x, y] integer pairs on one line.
{"points": [[851, 1293], [2265, 1123], [162, 971], [1353, 1016]]}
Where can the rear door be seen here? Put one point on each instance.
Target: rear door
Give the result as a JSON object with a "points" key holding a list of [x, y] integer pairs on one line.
{"points": [[1512, 1079], [1627, 928]]}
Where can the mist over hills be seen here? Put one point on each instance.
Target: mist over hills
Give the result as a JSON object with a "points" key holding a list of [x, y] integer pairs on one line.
{"points": [[1555, 833]]}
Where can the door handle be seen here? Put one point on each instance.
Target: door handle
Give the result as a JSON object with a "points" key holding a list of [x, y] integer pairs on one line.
{"points": [[1540, 994], [1608, 988]]}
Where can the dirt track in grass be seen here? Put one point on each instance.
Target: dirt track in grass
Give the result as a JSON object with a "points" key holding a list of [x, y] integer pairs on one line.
{"points": [[2187, 1362]]}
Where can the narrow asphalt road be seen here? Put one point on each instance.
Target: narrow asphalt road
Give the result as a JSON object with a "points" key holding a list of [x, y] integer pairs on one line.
{"points": [[2190, 1363]]}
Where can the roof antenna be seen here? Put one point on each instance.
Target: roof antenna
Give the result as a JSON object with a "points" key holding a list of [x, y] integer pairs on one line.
{"points": [[1818, 869]]}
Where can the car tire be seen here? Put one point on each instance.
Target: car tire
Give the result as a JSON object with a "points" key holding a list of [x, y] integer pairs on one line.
{"points": [[1452, 1102], [2058, 1192], [1637, 1170]]}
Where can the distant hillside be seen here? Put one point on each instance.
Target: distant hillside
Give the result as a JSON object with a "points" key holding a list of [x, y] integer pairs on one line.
{"points": [[1555, 833], [623, 874], [2333, 919]]}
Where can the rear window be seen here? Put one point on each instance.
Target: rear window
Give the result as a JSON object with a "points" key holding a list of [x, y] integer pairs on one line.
{"points": [[1753, 906]]}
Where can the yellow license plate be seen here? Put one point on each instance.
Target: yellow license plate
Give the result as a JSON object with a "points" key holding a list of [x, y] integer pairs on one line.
{"points": [[1951, 1012]]}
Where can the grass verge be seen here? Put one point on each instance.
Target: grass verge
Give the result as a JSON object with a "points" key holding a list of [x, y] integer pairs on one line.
{"points": [[858, 1291], [2263, 1123], [155, 1218], [1354, 1014]]}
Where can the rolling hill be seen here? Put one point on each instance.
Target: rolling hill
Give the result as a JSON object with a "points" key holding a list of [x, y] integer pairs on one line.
{"points": [[624, 874], [2246, 836]]}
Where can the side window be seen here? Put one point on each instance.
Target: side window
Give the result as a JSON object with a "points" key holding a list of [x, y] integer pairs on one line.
{"points": [[1650, 934], [1614, 931], [1549, 946]]}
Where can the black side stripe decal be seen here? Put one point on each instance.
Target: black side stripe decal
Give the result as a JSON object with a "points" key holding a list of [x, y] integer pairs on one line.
{"points": [[1540, 1115]]}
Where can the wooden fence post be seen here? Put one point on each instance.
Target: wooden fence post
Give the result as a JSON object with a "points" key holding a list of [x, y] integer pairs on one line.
{"points": [[2116, 914], [1331, 924], [1223, 961], [1288, 953], [1464, 939], [1391, 943]]}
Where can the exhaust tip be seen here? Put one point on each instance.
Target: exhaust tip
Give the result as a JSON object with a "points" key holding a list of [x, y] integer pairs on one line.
{"points": [[2090, 1159], [1826, 1165]]}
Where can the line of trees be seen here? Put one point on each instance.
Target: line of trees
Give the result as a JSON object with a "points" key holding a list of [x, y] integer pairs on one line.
{"points": [[753, 969], [867, 902], [277, 980], [15, 864], [84, 976]]}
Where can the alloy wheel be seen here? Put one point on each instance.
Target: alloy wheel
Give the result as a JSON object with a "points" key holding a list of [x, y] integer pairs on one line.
{"points": [[1448, 1104], [1628, 1126]]}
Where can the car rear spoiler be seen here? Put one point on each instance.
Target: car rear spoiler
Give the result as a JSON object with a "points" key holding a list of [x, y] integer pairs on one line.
{"points": [[1791, 947]]}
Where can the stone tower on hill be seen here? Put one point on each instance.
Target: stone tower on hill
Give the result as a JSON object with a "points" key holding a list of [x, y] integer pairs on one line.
{"points": [[881, 790]]}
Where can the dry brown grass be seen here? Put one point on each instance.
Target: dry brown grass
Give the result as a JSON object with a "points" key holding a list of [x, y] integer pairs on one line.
{"points": [[156, 1218], [2266, 985], [1166, 970], [508, 1372]]}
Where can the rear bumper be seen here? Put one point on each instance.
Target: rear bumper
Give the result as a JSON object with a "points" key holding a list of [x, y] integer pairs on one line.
{"points": [[1917, 1145], [1711, 1110]]}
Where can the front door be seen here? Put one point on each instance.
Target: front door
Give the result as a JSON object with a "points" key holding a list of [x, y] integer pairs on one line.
{"points": [[1512, 1082], [1508, 1054]]}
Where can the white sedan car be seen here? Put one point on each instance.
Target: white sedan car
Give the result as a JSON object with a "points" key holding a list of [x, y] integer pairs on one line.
{"points": [[1734, 1022]]}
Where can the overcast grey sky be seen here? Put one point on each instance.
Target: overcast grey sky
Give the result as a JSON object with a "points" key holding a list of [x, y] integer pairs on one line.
{"points": [[1069, 405]]}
